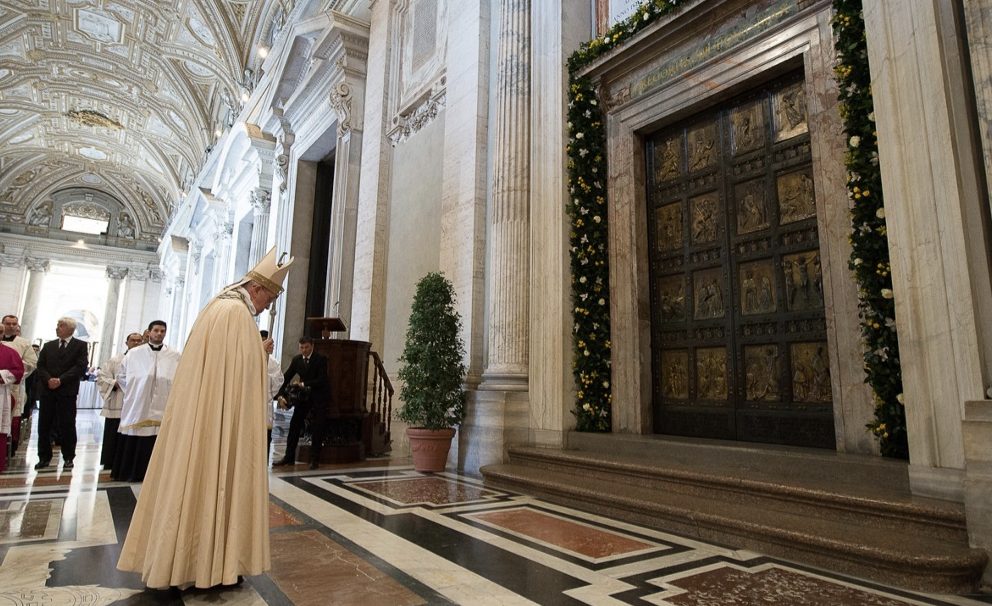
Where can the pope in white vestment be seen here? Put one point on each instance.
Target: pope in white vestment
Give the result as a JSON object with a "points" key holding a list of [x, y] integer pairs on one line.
{"points": [[202, 516]]}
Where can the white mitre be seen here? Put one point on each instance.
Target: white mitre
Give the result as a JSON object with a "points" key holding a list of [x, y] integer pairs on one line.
{"points": [[268, 273]]}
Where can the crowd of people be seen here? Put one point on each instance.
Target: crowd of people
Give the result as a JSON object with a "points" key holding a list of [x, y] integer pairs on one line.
{"points": [[194, 427]]}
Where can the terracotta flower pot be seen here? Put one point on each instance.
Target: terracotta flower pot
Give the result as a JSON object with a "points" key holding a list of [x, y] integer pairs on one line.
{"points": [[429, 448]]}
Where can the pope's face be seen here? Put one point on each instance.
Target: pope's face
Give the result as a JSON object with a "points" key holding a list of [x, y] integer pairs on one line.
{"points": [[261, 297]]}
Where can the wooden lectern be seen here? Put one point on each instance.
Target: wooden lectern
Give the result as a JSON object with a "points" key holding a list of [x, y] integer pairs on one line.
{"points": [[347, 371]]}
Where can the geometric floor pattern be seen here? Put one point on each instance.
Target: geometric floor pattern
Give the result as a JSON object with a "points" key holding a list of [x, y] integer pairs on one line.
{"points": [[382, 534]]}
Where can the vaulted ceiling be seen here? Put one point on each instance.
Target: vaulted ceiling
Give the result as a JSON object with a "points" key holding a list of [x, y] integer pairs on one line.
{"points": [[120, 96]]}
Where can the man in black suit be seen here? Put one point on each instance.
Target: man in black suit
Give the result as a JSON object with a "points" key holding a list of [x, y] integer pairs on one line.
{"points": [[311, 368], [61, 364]]}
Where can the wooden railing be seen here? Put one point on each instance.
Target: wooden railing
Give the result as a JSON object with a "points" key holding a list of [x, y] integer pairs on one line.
{"points": [[380, 408]]}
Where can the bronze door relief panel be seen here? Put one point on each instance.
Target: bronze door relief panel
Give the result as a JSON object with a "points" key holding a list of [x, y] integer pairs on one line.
{"points": [[739, 348]]}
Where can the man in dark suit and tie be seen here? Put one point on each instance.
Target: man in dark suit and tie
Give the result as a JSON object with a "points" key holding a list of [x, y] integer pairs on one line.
{"points": [[61, 364], [311, 368]]}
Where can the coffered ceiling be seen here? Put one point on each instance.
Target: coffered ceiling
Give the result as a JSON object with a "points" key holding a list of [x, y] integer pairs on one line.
{"points": [[120, 96]]}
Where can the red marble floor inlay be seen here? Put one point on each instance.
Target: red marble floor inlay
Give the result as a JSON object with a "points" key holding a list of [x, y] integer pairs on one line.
{"points": [[565, 534], [279, 517], [311, 569], [437, 491], [729, 586]]}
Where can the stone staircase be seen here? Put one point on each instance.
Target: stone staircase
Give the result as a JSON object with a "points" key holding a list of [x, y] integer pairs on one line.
{"points": [[846, 513]]}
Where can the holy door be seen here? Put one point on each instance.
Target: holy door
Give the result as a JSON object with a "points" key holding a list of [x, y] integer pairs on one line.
{"points": [[739, 347]]}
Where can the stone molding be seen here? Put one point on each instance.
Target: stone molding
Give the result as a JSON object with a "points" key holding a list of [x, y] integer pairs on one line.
{"points": [[261, 200], [405, 126]]}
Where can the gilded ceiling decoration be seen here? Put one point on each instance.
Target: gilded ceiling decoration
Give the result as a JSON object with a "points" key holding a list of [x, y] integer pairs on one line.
{"points": [[122, 97]]}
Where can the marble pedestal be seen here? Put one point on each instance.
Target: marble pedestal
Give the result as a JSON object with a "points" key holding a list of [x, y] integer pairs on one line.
{"points": [[493, 421], [977, 429]]}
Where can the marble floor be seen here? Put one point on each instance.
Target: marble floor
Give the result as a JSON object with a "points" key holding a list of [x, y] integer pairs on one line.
{"points": [[381, 534]]}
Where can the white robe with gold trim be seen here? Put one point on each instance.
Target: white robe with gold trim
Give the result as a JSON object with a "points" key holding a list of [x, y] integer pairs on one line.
{"points": [[202, 516], [146, 377]]}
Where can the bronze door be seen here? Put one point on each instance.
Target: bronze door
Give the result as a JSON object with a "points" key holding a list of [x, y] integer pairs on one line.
{"points": [[739, 347]]}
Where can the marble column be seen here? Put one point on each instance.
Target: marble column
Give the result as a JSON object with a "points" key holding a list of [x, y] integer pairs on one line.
{"points": [[115, 275], [37, 268], [937, 239], [978, 18], [261, 203], [223, 243], [177, 296], [509, 275], [552, 389]]}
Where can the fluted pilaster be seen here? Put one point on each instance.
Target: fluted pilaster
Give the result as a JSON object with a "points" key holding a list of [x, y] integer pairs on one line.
{"points": [[115, 275], [261, 202], [507, 356]]}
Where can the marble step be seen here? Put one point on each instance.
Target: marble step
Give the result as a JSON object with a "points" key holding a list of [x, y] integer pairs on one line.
{"points": [[906, 559], [813, 485]]}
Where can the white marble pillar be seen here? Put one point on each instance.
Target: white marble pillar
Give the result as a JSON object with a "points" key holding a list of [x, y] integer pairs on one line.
{"points": [[552, 388], [978, 18], [37, 268], [223, 244], [509, 245], [115, 275], [937, 241], [12, 278], [178, 333], [261, 203]]}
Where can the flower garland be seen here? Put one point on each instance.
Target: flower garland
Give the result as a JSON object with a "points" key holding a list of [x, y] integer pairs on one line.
{"points": [[589, 234], [870, 248]]}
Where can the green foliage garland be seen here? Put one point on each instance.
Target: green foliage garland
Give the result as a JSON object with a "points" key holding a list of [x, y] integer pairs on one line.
{"points": [[870, 247], [589, 234], [433, 372]]}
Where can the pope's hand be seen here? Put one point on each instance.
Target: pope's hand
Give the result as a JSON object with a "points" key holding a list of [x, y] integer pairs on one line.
{"points": [[269, 345]]}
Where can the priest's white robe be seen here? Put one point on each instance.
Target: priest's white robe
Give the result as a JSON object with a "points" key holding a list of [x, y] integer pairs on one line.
{"points": [[29, 358], [202, 516], [146, 377], [106, 381]]}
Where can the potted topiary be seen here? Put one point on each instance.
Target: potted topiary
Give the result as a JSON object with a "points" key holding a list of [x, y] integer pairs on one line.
{"points": [[432, 373]]}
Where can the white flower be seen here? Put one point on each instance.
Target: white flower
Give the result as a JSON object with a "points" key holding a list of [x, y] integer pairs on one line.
{"points": [[582, 280], [596, 219], [899, 398], [583, 152], [587, 114], [586, 407], [602, 301], [646, 17], [593, 102], [570, 124], [880, 213], [606, 384], [855, 141], [886, 293], [585, 353], [858, 262], [871, 116], [579, 135]]}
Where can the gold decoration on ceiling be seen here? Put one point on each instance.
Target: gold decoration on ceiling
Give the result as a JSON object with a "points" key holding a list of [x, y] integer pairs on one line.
{"points": [[89, 117]]}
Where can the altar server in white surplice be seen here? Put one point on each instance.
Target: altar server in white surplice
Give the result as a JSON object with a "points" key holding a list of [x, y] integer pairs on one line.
{"points": [[275, 384], [113, 400], [145, 375]]}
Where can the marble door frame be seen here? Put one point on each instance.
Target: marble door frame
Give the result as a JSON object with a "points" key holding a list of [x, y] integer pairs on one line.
{"points": [[802, 39]]}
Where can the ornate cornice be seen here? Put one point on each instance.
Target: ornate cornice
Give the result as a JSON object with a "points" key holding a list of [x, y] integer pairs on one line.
{"points": [[422, 115]]}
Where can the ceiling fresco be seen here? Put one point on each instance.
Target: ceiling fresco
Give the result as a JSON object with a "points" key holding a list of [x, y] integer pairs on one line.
{"points": [[120, 97]]}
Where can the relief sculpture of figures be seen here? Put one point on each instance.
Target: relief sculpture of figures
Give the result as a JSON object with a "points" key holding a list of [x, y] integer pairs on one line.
{"points": [[796, 198], [803, 281], [675, 379], [790, 112], [704, 219], [752, 213], [670, 227], [702, 152], [673, 300], [810, 373], [747, 124], [41, 216], [762, 373], [757, 296], [711, 373], [709, 299], [125, 226], [668, 166]]}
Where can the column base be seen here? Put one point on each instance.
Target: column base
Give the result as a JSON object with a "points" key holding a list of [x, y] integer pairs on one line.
{"points": [[977, 428], [496, 380], [493, 421], [937, 482]]}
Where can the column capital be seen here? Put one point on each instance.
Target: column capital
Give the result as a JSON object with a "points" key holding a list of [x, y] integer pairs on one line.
{"points": [[138, 274], [115, 272], [11, 261], [37, 264], [261, 200]]}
